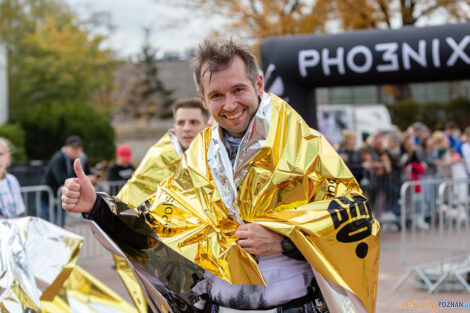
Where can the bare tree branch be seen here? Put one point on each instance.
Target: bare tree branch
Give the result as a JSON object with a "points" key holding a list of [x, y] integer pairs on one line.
{"points": [[385, 12]]}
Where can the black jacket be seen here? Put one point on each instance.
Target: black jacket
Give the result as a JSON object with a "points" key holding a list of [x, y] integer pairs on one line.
{"points": [[57, 171]]}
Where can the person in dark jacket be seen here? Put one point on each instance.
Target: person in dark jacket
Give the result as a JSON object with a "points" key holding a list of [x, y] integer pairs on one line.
{"points": [[351, 155], [122, 169], [60, 168]]}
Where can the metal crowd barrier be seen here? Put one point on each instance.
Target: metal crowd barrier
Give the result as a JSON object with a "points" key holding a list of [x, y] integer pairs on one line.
{"points": [[383, 193], [435, 229], [110, 187], [435, 241], [74, 222], [33, 196]]}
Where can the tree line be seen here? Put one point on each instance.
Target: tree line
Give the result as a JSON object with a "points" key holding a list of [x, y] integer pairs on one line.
{"points": [[61, 76], [61, 79]]}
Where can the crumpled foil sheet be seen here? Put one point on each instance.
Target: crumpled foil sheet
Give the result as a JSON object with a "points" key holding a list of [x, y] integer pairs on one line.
{"points": [[287, 178], [159, 162], [38, 272]]}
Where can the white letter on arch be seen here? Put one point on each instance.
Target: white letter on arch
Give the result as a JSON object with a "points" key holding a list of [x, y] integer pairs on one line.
{"points": [[408, 52], [459, 50], [338, 61], [359, 68], [389, 55], [307, 58]]}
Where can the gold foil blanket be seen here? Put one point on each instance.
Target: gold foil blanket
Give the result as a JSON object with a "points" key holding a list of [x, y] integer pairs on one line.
{"points": [[38, 272], [287, 178]]}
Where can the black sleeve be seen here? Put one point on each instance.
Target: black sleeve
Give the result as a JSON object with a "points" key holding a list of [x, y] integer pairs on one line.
{"points": [[290, 250], [113, 226], [113, 173], [86, 167], [58, 170]]}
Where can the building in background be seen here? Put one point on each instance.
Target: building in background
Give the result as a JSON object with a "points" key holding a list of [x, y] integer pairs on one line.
{"points": [[178, 76], [420, 92]]}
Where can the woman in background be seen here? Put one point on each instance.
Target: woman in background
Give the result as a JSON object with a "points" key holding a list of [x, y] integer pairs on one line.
{"points": [[11, 202]]}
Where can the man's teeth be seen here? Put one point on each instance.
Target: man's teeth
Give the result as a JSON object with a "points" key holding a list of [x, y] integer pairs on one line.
{"points": [[234, 116]]}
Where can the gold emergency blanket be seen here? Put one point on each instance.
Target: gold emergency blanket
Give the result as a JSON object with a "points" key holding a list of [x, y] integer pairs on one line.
{"points": [[286, 177], [38, 272], [293, 183], [159, 162]]}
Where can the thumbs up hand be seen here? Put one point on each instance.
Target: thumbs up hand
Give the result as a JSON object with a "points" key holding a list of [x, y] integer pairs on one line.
{"points": [[78, 194]]}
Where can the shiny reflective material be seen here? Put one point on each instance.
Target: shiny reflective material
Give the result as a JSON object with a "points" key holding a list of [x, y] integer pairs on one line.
{"points": [[131, 284], [159, 162], [38, 272], [219, 162], [166, 278], [287, 178]]}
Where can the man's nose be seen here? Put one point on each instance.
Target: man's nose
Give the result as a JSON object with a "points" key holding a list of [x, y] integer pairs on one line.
{"points": [[187, 126], [230, 103]]}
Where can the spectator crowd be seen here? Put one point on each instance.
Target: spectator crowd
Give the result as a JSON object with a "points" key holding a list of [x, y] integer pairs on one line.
{"points": [[381, 164], [385, 160]]}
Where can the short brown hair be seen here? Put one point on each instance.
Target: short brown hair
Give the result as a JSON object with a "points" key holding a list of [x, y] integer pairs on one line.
{"points": [[217, 54], [192, 103]]}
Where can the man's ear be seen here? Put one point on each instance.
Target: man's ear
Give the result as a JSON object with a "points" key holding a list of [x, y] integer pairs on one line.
{"points": [[202, 99], [259, 86]]}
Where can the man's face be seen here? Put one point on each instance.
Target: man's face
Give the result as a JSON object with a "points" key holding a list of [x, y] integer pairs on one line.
{"points": [[231, 98], [73, 152], [188, 123]]}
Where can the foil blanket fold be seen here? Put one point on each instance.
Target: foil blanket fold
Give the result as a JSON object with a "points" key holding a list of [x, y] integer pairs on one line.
{"points": [[38, 272]]}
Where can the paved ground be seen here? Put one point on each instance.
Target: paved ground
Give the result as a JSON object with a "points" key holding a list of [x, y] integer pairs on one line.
{"points": [[390, 272]]}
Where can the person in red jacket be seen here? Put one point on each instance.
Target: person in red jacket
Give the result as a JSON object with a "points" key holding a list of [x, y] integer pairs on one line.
{"points": [[414, 168]]}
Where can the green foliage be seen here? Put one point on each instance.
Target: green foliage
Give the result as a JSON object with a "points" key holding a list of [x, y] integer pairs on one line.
{"points": [[60, 64], [458, 110], [19, 18], [48, 126], [16, 135], [53, 55], [57, 71], [434, 114], [404, 113]]}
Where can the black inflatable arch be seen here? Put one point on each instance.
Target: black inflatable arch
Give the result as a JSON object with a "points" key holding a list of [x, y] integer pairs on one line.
{"points": [[294, 65]]}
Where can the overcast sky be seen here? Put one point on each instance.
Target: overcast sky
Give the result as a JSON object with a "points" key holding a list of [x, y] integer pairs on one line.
{"points": [[175, 29]]}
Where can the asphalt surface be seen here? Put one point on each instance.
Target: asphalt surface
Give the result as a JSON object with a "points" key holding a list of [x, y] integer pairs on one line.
{"points": [[406, 299]]}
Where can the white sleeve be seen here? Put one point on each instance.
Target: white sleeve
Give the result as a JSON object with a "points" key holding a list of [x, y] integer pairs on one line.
{"points": [[466, 155], [15, 185]]}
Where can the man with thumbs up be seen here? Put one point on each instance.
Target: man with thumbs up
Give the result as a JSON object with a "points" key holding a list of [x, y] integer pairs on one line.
{"points": [[78, 192], [59, 169], [260, 202]]}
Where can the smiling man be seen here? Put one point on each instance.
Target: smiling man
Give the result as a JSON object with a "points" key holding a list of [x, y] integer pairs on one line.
{"points": [[260, 202], [161, 160], [231, 96]]}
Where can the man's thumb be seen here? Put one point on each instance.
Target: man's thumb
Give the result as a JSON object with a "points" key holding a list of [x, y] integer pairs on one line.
{"points": [[77, 166]]}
